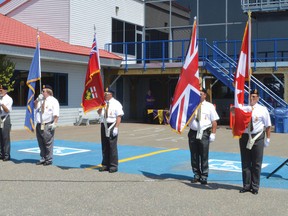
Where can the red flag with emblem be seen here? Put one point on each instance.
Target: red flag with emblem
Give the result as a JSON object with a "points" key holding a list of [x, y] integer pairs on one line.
{"points": [[93, 95], [242, 116]]}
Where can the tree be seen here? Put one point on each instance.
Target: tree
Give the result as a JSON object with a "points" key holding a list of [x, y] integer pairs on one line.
{"points": [[7, 68]]}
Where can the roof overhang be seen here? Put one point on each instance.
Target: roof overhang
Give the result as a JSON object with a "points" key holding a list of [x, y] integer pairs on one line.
{"points": [[23, 52]]}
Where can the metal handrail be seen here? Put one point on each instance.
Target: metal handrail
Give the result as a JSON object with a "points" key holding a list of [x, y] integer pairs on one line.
{"points": [[208, 54], [226, 60]]}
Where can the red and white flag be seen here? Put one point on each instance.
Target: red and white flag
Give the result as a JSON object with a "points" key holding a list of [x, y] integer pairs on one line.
{"points": [[242, 117], [93, 95]]}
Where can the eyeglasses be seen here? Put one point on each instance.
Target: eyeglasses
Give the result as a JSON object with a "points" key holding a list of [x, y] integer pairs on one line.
{"points": [[254, 96]]}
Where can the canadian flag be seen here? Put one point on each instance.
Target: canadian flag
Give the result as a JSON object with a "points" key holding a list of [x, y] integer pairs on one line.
{"points": [[242, 117]]}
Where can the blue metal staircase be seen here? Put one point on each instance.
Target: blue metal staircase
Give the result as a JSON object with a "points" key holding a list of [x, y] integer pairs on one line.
{"points": [[223, 68]]}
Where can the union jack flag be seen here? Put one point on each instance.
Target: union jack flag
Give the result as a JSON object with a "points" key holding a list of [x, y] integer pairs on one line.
{"points": [[187, 92]]}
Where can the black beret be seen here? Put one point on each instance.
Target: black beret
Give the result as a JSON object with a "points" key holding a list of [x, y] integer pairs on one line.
{"points": [[203, 90], [254, 91], [108, 89], [47, 87], [4, 87]]}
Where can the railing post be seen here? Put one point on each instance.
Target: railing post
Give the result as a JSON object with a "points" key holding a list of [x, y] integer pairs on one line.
{"points": [[205, 49], [235, 50], [275, 54], [183, 53], [144, 53], [163, 54], [126, 57], [214, 53], [255, 54]]}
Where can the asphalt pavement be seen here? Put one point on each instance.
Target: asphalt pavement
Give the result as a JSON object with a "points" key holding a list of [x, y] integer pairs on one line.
{"points": [[153, 179]]}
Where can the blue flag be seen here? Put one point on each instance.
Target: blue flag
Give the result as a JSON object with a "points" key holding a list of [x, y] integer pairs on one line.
{"points": [[33, 76]]}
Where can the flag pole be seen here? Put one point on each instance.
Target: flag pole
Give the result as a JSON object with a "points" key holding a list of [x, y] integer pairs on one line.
{"points": [[40, 81], [38, 42], [249, 54]]}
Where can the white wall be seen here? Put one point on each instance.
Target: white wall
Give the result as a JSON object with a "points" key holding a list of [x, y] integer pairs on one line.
{"points": [[49, 16], [73, 20], [85, 14]]}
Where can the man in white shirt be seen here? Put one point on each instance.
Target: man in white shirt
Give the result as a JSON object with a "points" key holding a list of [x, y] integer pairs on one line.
{"points": [[202, 131], [252, 144], [111, 120], [6, 103], [46, 116]]}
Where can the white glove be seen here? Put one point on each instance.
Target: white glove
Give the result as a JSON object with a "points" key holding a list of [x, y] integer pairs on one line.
{"points": [[40, 97], [212, 137], [267, 142], [115, 131], [53, 126]]}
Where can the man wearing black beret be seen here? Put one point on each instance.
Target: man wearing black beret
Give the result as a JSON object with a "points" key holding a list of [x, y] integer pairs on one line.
{"points": [[252, 143], [46, 116], [112, 114], [6, 103]]}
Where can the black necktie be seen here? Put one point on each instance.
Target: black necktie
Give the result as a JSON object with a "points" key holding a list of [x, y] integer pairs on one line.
{"points": [[251, 122], [198, 117], [251, 125]]}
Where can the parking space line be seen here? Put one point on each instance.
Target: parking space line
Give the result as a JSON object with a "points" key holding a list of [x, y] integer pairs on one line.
{"points": [[137, 157]]}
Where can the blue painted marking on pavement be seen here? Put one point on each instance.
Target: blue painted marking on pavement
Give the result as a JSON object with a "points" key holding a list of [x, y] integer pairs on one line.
{"points": [[224, 167]]}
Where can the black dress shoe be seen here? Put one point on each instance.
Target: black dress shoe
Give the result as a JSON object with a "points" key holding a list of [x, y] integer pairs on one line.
{"points": [[203, 181], [103, 168], [113, 170], [40, 162], [195, 180], [255, 192], [47, 163], [243, 190]]}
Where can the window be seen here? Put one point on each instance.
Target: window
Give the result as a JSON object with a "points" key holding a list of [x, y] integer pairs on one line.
{"points": [[58, 81], [124, 32]]}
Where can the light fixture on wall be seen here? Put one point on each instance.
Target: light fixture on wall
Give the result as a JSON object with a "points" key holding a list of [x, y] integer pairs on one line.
{"points": [[116, 10]]}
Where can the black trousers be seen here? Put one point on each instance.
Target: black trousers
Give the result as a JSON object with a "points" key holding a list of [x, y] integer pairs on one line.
{"points": [[109, 148], [251, 161], [5, 139], [199, 152]]}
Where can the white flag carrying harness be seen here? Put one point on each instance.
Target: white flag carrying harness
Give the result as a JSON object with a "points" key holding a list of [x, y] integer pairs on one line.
{"points": [[107, 130], [251, 140], [2, 121]]}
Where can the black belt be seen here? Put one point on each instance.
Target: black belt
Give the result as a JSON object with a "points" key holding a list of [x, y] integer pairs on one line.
{"points": [[108, 124], [45, 123], [254, 134], [206, 130], [2, 117]]}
